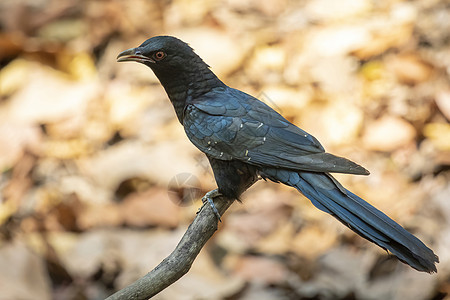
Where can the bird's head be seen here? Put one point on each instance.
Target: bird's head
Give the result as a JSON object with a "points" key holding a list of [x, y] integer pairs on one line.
{"points": [[163, 54], [181, 72]]}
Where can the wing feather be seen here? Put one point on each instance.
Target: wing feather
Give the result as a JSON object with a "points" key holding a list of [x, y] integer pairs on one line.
{"points": [[244, 128]]}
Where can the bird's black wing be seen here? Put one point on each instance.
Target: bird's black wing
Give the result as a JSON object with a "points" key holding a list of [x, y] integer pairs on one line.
{"points": [[229, 124]]}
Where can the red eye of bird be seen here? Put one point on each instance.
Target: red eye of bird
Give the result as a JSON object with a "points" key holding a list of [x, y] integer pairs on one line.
{"points": [[159, 55]]}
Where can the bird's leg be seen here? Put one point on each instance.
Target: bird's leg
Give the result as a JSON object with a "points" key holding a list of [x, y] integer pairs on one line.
{"points": [[208, 198]]}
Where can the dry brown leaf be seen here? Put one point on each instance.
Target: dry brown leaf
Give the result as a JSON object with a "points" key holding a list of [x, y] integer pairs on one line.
{"points": [[313, 241], [99, 215], [382, 39], [11, 45], [130, 159], [12, 76], [439, 134], [329, 10], [17, 281], [150, 208], [261, 269], [410, 68], [224, 57], [279, 241], [16, 139], [337, 123], [266, 213], [388, 134], [36, 103], [443, 102]]}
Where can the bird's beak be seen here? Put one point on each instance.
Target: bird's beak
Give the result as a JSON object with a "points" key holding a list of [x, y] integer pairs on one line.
{"points": [[133, 54]]}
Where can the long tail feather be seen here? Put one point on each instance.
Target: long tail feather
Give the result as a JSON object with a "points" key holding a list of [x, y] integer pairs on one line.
{"points": [[331, 197]]}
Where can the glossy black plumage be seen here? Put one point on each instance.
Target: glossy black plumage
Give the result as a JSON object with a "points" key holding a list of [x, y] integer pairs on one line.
{"points": [[244, 138]]}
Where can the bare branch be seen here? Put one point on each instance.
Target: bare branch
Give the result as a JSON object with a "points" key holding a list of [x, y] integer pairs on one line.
{"points": [[180, 260]]}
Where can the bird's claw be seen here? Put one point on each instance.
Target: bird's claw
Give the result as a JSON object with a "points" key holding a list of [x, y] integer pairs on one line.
{"points": [[208, 198]]}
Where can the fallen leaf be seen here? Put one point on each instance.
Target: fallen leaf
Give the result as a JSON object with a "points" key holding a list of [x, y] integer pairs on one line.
{"points": [[410, 68], [439, 134], [388, 134], [33, 101], [16, 280], [226, 55], [17, 138], [261, 269], [442, 100], [99, 215], [150, 208], [313, 241], [327, 10]]}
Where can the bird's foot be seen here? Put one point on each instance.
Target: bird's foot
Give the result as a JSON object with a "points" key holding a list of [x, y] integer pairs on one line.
{"points": [[208, 198]]}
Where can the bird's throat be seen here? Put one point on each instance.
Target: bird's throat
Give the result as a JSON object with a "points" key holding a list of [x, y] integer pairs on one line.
{"points": [[183, 87]]}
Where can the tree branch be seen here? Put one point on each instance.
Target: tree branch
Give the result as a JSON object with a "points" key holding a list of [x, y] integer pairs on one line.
{"points": [[180, 260]]}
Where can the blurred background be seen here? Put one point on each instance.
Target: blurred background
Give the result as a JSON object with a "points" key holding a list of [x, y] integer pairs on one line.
{"points": [[99, 182]]}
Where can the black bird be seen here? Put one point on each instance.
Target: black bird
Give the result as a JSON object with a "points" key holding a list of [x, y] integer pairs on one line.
{"points": [[244, 139]]}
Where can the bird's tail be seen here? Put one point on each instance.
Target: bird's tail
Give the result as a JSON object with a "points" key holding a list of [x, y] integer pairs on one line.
{"points": [[328, 195]]}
